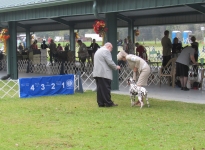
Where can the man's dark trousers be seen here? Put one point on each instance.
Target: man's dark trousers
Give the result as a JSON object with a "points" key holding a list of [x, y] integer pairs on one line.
{"points": [[103, 91]]}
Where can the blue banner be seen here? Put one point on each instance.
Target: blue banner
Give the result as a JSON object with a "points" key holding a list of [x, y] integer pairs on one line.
{"points": [[44, 86]]}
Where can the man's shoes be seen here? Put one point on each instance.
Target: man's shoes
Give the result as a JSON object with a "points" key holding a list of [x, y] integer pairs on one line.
{"points": [[186, 89], [112, 105]]}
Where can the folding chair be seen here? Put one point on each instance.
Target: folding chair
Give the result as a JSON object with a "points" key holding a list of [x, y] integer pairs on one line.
{"points": [[168, 71]]}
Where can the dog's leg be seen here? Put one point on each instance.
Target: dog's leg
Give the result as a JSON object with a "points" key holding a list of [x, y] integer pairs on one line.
{"points": [[140, 97], [131, 98], [141, 102], [147, 99]]}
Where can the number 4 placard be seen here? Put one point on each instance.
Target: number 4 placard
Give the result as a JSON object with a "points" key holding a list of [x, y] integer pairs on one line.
{"points": [[48, 85]]}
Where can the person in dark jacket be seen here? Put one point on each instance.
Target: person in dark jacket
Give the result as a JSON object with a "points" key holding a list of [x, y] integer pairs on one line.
{"points": [[176, 47], [44, 45], [195, 45], [94, 46], [53, 50]]}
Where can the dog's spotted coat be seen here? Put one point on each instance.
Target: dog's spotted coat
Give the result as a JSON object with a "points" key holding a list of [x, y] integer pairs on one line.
{"points": [[134, 90]]}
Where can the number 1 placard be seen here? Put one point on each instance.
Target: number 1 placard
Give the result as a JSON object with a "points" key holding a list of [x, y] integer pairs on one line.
{"points": [[44, 86]]}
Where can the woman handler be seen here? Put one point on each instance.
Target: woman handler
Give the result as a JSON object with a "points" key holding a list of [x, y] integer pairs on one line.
{"points": [[138, 65]]}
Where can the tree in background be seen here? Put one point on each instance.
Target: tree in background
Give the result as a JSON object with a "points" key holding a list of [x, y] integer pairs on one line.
{"points": [[148, 33]]}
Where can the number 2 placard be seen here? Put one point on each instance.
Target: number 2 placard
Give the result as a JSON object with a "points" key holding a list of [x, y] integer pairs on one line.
{"points": [[48, 85]]}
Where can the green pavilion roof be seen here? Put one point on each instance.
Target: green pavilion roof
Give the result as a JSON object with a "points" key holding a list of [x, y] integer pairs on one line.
{"points": [[13, 5], [49, 15]]}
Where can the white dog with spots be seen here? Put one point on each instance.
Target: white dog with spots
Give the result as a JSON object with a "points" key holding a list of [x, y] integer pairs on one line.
{"points": [[135, 90]]}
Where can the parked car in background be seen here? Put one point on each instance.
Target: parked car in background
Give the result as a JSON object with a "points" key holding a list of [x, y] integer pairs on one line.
{"points": [[58, 39]]}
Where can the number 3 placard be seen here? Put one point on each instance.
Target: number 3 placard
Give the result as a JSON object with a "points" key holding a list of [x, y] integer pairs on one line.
{"points": [[48, 85]]}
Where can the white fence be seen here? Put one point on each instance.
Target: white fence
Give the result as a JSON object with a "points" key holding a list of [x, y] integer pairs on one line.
{"points": [[9, 88]]}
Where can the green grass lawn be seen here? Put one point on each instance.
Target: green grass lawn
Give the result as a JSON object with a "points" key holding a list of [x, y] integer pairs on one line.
{"points": [[75, 122]]}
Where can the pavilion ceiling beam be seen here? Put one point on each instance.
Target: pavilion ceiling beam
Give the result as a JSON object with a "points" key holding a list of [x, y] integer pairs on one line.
{"points": [[23, 26], [124, 18], [44, 24], [166, 15], [62, 21], [2, 25], [197, 7]]}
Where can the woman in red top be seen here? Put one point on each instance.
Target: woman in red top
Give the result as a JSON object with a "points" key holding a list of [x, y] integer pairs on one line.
{"points": [[34, 45], [141, 51], [59, 47]]}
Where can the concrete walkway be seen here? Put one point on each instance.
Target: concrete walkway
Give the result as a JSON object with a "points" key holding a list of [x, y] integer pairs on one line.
{"points": [[164, 92]]}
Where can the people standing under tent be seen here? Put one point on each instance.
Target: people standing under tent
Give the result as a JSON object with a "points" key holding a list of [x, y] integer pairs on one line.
{"points": [[83, 53], [124, 46], [176, 47], [166, 48], [67, 48], [195, 45], [53, 50], [34, 46], [59, 47], [20, 47], [141, 51], [182, 65], [94, 46], [131, 47], [49, 40], [44, 45]]}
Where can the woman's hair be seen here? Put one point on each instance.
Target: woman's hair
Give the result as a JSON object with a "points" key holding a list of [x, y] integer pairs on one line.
{"points": [[121, 54], [79, 41], [166, 32], [175, 40], [193, 38], [129, 41]]}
